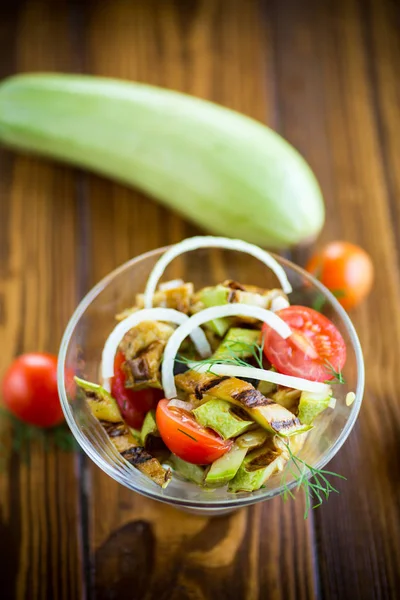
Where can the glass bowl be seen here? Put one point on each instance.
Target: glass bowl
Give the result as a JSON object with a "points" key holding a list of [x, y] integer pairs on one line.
{"points": [[93, 320]]}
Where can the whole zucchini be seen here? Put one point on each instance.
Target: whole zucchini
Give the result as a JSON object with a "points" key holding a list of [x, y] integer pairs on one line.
{"points": [[222, 170]]}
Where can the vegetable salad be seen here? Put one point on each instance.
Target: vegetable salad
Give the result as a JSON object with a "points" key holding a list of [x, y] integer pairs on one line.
{"points": [[218, 386]]}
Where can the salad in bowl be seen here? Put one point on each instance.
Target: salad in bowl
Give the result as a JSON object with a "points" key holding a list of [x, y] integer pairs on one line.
{"points": [[223, 387]]}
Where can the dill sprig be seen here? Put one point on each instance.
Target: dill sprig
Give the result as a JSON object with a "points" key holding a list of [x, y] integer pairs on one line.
{"points": [[210, 362], [188, 435], [314, 482], [337, 376], [234, 349]]}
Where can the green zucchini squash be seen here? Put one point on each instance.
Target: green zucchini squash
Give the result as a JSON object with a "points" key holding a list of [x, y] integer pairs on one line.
{"points": [[222, 170]]}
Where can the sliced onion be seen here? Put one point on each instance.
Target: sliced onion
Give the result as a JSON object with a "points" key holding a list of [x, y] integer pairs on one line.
{"points": [[169, 315], [209, 241], [209, 314], [180, 404], [170, 285], [297, 383], [278, 303]]}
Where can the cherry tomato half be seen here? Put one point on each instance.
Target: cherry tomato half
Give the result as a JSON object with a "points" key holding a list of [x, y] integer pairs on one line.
{"points": [[30, 389], [186, 438], [133, 404], [346, 270], [313, 349]]}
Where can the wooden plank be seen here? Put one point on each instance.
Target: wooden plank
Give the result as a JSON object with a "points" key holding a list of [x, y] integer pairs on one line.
{"points": [[223, 55], [382, 43], [39, 521], [358, 532]]}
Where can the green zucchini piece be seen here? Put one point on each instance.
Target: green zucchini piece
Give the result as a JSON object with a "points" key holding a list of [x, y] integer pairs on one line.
{"points": [[225, 468], [311, 405], [218, 415], [149, 426], [258, 466], [105, 409], [276, 419], [191, 472], [252, 439], [238, 342], [136, 434], [288, 398], [101, 403], [266, 388], [215, 296]]}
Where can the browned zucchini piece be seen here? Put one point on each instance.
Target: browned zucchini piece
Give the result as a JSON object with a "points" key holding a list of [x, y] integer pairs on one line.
{"points": [[178, 297], [144, 369], [143, 347], [287, 397], [230, 292], [264, 411], [105, 409], [258, 466]]}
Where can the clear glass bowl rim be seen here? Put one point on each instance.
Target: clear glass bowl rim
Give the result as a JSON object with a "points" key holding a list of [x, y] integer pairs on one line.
{"points": [[160, 494]]}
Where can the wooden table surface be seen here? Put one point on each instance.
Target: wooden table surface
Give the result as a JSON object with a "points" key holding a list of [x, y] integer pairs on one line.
{"points": [[326, 76]]}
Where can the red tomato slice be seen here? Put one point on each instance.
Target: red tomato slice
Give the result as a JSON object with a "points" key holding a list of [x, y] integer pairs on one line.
{"points": [[133, 404], [186, 438], [314, 347]]}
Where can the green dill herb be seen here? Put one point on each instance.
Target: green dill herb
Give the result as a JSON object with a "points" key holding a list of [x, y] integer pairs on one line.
{"points": [[187, 434], [234, 349], [336, 375], [313, 481]]}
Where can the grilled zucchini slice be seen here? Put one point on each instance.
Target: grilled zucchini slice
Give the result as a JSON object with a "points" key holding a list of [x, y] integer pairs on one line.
{"points": [[105, 409]]}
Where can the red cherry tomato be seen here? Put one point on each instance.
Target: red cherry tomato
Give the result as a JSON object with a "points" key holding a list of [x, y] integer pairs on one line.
{"points": [[133, 404], [30, 389], [313, 349], [186, 438], [346, 270]]}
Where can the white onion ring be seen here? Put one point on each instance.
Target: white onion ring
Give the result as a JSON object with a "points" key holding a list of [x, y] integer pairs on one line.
{"points": [[208, 314], [150, 314], [211, 242], [278, 303], [297, 383]]}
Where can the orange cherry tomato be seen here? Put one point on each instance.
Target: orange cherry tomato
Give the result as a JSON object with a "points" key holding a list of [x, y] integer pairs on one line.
{"points": [[345, 269]]}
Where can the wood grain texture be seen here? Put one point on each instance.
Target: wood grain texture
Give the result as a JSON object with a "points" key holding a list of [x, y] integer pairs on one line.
{"points": [[325, 75], [39, 520], [370, 460], [353, 151]]}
